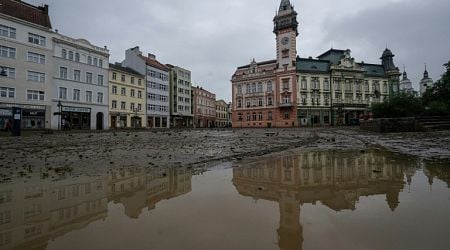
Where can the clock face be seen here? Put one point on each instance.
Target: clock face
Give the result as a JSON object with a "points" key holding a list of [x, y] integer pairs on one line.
{"points": [[285, 40]]}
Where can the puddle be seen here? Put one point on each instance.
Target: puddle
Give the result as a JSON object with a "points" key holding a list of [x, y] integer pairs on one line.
{"points": [[296, 200]]}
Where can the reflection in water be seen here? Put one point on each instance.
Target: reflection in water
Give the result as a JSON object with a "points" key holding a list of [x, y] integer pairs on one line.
{"points": [[34, 211], [337, 180]]}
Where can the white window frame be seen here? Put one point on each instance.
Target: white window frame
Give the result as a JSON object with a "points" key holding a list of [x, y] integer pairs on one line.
{"points": [[76, 94], [7, 31], [34, 76], [63, 72], [36, 58], [7, 92], [37, 39], [89, 96], [62, 95], [8, 52], [35, 93]]}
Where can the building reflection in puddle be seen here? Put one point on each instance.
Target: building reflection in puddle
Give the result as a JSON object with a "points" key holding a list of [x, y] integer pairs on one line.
{"points": [[335, 179], [34, 211]]}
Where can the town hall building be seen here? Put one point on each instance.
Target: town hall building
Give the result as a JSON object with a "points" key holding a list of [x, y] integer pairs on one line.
{"points": [[332, 89]]}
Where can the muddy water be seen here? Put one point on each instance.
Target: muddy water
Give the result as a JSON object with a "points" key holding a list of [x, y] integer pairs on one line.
{"points": [[295, 200]]}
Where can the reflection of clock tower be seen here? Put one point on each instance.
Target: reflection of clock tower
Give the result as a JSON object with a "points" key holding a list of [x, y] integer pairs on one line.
{"points": [[285, 29]]}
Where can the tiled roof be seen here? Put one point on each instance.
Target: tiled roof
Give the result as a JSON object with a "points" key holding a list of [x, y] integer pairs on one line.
{"points": [[332, 55], [119, 67], [375, 70], [154, 63], [27, 12], [312, 65]]}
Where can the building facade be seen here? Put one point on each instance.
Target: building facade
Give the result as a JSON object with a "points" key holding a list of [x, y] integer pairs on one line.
{"points": [[180, 97], [80, 84], [221, 114], [204, 107], [264, 93], [332, 89], [126, 98], [157, 86], [26, 61], [426, 82], [336, 90], [406, 85]]}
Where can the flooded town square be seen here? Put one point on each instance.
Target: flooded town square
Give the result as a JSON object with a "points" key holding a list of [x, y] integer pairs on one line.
{"points": [[211, 189]]}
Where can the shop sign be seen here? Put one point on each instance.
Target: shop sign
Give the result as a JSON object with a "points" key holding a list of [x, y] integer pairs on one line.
{"points": [[22, 106], [5, 112], [75, 109]]}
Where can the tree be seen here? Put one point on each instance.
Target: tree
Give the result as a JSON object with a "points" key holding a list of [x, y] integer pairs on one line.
{"points": [[402, 105], [437, 99]]}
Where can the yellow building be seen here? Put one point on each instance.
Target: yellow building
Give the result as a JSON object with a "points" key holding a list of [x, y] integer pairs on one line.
{"points": [[126, 97]]}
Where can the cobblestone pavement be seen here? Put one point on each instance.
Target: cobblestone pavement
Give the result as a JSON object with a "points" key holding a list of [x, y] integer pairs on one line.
{"points": [[89, 152]]}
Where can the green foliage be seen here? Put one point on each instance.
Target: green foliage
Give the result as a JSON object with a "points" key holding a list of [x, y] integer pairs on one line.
{"points": [[402, 105], [437, 99]]}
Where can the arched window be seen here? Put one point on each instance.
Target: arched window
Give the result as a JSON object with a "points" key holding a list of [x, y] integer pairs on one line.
{"points": [[254, 116], [247, 88], [254, 87], [260, 87], [269, 86]]}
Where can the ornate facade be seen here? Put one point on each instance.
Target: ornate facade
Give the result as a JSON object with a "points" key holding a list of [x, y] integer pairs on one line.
{"points": [[292, 91]]}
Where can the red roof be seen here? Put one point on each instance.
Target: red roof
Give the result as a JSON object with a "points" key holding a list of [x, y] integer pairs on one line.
{"points": [[154, 63], [27, 12]]}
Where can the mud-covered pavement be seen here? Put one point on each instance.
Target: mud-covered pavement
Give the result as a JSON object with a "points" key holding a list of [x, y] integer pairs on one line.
{"points": [[89, 152]]}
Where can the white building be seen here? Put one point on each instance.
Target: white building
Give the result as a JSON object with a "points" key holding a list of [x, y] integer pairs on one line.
{"points": [[406, 85], [80, 84], [180, 97], [426, 82], [157, 80], [26, 59]]}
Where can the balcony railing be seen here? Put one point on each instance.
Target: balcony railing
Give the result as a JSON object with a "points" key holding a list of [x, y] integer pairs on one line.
{"points": [[285, 104]]}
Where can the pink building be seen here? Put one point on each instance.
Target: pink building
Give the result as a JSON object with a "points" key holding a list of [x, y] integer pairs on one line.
{"points": [[204, 107]]}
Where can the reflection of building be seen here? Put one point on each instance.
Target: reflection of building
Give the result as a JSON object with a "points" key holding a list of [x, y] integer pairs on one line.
{"points": [[204, 107], [34, 212], [336, 180], [126, 97], [136, 189]]}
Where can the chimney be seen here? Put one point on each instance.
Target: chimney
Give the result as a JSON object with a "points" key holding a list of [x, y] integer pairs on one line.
{"points": [[151, 56], [45, 9]]}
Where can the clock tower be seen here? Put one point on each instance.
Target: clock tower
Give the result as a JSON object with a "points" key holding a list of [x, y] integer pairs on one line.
{"points": [[286, 31]]}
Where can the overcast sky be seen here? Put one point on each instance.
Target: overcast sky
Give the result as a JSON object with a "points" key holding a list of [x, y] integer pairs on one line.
{"points": [[212, 37]]}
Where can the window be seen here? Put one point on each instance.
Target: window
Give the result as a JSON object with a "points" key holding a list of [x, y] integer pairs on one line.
{"points": [[139, 107], [76, 94], [88, 96], [95, 61], [5, 218], [285, 84], [122, 78], [100, 97], [139, 82], [100, 63], [36, 77], [62, 93], [260, 102], [260, 116], [35, 95], [139, 94], [132, 93], [63, 72], [132, 106], [7, 92], [114, 90], [239, 103], [269, 101], [326, 84], [286, 116], [132, 80], [100, 80], [269, 86], [123, 91], [88, 77], [77, 75], [10, 72], [254, 116], [248, 88], [123, 105], [253, 87], [71, 55], [270, 116], [7, 52], [260, 87], [239, 90], [36, 58], [248, 117], [77, 57], [247, 103], [64, 53], [7, 31], [114, 104], [36, 39], [114, 77]]}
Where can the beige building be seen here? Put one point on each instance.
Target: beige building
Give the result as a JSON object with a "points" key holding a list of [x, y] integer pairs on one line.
{"points": [[221, 114], [126, 98], [204, 107]]}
